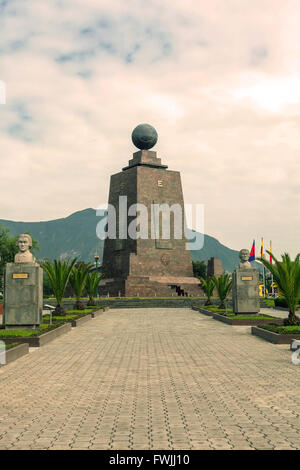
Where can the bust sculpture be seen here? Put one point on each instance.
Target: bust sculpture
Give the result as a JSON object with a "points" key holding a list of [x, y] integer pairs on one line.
{"points": [[244, 255], [245, 298], [23, 288], [24, 244]]}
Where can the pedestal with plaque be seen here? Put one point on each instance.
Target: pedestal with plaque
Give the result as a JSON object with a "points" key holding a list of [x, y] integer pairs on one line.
{"points": [[23, 295], [245, 297]]}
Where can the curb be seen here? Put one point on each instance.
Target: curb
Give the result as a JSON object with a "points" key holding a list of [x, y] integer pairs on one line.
{"points": [[245, 321], [274, 338], [14, 353]]}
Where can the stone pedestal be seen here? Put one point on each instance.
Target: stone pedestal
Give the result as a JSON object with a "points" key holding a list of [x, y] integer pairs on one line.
{"points": [[214, 267], [245, 298], [23, 295]]}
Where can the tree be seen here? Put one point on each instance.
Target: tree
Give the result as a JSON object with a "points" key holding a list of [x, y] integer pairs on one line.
{"points": [[78, 278], [47, 287], [223, 286], [92, 283], [286, 274], [58, 273], [208, 287], [199, 269]]}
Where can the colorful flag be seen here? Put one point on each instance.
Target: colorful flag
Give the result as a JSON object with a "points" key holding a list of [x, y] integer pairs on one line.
{"points": [[252, 252], [262, 248], [271, 258]]}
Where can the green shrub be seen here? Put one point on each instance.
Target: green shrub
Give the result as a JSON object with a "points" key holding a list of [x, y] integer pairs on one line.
{"points": [[85, 311], [281, 302], [282, 330]]}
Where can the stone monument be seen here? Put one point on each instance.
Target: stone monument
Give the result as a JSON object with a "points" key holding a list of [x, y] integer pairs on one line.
{"points": [[245, 297], [214, 267], [23, 288], [147, 267]]}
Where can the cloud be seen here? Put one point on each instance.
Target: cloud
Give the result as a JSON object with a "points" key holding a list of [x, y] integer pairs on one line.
{"points": [[218, 80]]}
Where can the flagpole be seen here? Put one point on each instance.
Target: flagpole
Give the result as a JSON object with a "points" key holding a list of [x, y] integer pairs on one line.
{"points": [[271, 261], [261, 256]]}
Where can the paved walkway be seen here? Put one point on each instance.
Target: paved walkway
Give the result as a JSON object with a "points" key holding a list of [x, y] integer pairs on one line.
{"points": [[152, 378]]}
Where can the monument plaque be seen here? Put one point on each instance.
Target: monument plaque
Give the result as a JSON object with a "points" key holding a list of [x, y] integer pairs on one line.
{"points": [[20, 276]]}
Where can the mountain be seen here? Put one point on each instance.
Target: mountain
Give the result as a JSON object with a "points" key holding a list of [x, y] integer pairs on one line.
{"points": [[75, 236], [72, 236]]}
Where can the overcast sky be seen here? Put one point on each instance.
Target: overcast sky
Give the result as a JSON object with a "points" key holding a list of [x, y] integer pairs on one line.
{"points": [[219, 80]]}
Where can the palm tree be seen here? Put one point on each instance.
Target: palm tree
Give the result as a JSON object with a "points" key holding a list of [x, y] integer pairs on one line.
{"points": [[286, 273], [223, 286], [78, 278], [58, 273], [208, 287], [92, 283]]}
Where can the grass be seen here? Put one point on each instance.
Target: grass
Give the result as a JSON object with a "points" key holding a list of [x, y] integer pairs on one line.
{"points": [[11, 345], [70, 315], [282, 330], [230, 314], [269, 302], [57, 320], [250, 317], [214, 308], [82, 312], [61, 318], [43, 328]]}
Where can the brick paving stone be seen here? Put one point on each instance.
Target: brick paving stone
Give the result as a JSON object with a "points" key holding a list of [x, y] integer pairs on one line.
{"points": [[152, 379]]}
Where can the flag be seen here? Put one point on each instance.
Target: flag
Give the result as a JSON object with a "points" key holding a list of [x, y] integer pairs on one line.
{"points": [[271, 258], [252, 252], [262, 248]]}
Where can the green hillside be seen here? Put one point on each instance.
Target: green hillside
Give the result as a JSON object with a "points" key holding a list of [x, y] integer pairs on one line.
{"points": [[75, 236]]}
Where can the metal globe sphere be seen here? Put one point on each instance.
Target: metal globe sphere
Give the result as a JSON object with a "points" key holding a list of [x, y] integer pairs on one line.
{"points": [[144, 136]]}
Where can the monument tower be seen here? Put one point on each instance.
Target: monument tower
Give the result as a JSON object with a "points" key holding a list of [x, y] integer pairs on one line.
{"points": [[153, 265]]}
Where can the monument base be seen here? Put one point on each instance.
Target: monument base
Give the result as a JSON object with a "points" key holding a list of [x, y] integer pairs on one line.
{"points": [[23, 295], [151, 286], [245, 297]]}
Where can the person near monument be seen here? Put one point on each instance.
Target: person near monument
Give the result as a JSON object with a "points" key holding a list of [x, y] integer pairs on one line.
{"points": [[244, 255], [24, 244]]}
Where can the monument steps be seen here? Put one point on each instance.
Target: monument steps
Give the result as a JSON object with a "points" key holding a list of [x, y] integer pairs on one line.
{"points": [[177, 302]]}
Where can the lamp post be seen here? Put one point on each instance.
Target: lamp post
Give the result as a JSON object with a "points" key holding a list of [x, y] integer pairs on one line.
{"points": [[96, 257]]}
